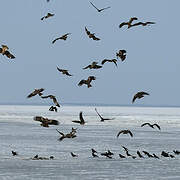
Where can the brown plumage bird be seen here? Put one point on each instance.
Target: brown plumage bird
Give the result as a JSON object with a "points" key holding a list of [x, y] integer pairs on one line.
{"points": [[91, 35], [142, 24], [45, 122], [53, 98], [151, 125], [47, 16], [103, 119], [82, 122], [93, 65], [139, 95], [63, 37], [69, 135], [53, 108], [109, 60], [126, 131], [129, 23], [99, 10], [4, 51], [121, 54], [64, 71], [87, 82], [35, 92]]}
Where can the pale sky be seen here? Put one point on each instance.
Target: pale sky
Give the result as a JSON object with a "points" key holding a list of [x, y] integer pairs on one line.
{"points": [[152, 62]]}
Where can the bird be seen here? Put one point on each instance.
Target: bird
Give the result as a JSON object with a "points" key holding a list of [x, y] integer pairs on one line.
{"points": [[107, 154], [68, 135], [176, 152], [35, 92], [87, 82], [53, 108], [63, 37], [14, 153], [109, 60], [103, 119], [151, 125], [121, 54], [165, 154], [126, 150], [74, 155], [93, 150], [91, 35], [45, 122], [148, 154], [139, 154], [51, 157], [128, 23], [4, 51], [82, 122], [155, 156], [142, 24], [99, 10], [139, 95], [47, 16], [125, 132], [53, 98], [64, 71], [93, 65], [94, 155], [121, 156]]}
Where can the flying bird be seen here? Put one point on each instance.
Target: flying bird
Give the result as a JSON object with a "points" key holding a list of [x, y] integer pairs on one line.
{"points": [[4, 51], [125, 132], [99, 10], [63, 37], [45, 122], [53, 98], [47, 16], [103, 119], [69, 135], [82, 122], [93, 65], [139, 95], [53, 108], [142, 24], [129, 23], [109, 60], [151, 125], [63, 71], [35, 92], [121, 54], [87, 82], [91, 35]]}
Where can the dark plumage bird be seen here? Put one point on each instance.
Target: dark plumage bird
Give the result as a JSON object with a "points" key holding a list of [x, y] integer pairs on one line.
{"points": [[107, 154], [35, 92], [126, 131], [121, 156], [93, 65], [94, 155], [93, 150], [74, 155], [103, 119], [129, 23], [126, 150], [139, 154], [63, 37], [165, 154], [47, 16], [69, 135], [109, 60], [51, 157], [139, 95], [4, 51], [53, 98], [64, 71], [142, 24], [14, 153], [148, 154], [82, 122], [91, 35], [176, 152], [121, 54], [155, 156], [45, 122], [99, 10], [53, 108], [87, 82], [151, 125]]}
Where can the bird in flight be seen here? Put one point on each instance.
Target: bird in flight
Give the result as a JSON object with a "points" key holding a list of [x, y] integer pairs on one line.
{"points": [[45, 122], [125, 132], [82, 122], [35, 92], [129, 23], [64, 71], [87, 82], [69, 135], [103, 119], [151, 125], [4, 51], [53, 108], [63, 37], [139, 95], [91, 35], [47, 16], [53, 98], [109, 60], [99, 10], [121, 54], [93, 65], [142, 24]]}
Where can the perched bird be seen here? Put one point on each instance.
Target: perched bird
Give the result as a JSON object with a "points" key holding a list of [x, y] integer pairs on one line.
{"points": [[121, 156], [47, 16], [69, 135], [74, 155], [87, 82], [4, 51], [53, 98], [45, 122], [35, 92], [99, 10], [91, 35], [93, 65], [151, 125], [63, 37], [109, 60], [14, 153], [139, 95], [53, 108], [142, 23], [139, 154], [103, 119], [82, 122], [129, 23], [63, 71], [125, 132], [121, 54]]}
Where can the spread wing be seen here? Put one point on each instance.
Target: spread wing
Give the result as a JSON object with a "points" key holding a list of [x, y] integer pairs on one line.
{"points": [[88, 32], [38, 118], [76, 121], [157, 126], [144, 93], [94, 6], [145, 124], [35, 92], [82, 82], [120, 133], [98, 114], [60, 70], [53, 122], [81, 117], [55, 101], [105, 8], [60, 132], [44, 97], [134, 98], [9, 55], [122, 24], [104, 61], [87, 67], [95, 38], [55, 40], [131, 134]]}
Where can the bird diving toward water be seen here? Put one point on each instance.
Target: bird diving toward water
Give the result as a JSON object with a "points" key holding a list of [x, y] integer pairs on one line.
{"points": [[64, 71], [63, 37], [47, 16], [4, 51], [129, 23], [109, 60], [82, 122], [121, 54], [142, 24], [139, 95], [53, 98], [93, 65], [91, 35], [99, 10], [103, 119], [151, 125], [45, 122], [35, 92], [125, 132], [87, 82]]}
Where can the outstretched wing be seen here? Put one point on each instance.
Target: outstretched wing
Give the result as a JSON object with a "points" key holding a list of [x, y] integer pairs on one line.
{"points": [[81, 117], [76, 121], [55, 40], [60, 132], [38, 118], [104, 61], [145, 124], [55, 101], [94, 6], [44, 97], [87, 67], [88, 32], [104, 8], [98, 114], [53, 122], [157, 126], [119, 133], [144, 93], [134, 98], [95, 38], [122, 24], [131, 134], [9, 55], [82, 82]]}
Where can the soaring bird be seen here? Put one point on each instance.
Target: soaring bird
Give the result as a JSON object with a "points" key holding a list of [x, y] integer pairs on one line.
{"points": [[126, 131], [142, 24], [53, 108], [63, 37], [47, 16], [4, 51], [139, 95], [99, 10], [87, 82], [45, 122], [121, 54], [35, 92], [53, 98], [151, 125], [129, 23], [64, 71], [91, 35], [74, 155], [103, 119], [69, 135], [93, 65], [82, 122], [109, 60]]}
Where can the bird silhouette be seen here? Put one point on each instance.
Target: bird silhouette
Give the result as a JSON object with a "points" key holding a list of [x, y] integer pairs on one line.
{"points": [[68, 135], [99, 10], [82, 122], [47, 16], [63, 37], [103, 119], [91, 35], [93, 65], [129, 23], [151, 125], [45, 122], [4, 51], [53, 98], [109, 60], [14, 153], [139, 95], [53, 108], [126, 131], [35, 92], [121, 54], [63, 71], [87, 82], [74, 155]]}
